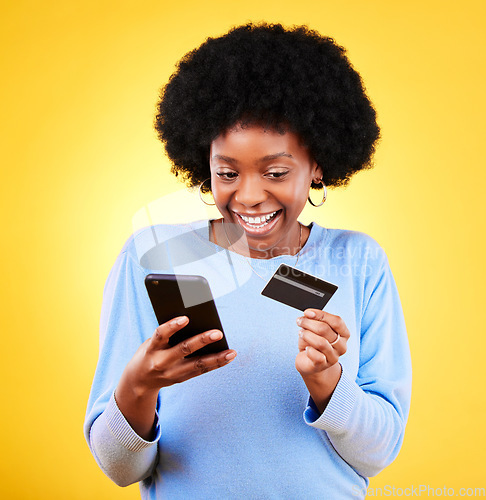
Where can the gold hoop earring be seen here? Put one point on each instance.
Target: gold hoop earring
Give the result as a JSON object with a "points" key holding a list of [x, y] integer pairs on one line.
{"points": [[323, 197], [200, 193]]}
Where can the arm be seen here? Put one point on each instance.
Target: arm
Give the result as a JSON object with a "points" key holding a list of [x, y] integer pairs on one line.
{"points": [[121, 425], [363, 418], [123, 438], [156, 364], [126, 317], [119, 451], [322, 340]]}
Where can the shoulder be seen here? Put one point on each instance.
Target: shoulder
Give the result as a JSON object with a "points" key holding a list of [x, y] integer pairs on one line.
{"points": [[148, 245], [348, 244]]}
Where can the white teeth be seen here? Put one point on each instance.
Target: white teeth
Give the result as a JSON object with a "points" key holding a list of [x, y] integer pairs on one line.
{"points": [[258, 220]]}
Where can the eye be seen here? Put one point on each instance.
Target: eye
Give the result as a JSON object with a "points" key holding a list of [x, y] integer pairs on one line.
{"points": [[227, 176], [277, 175]]}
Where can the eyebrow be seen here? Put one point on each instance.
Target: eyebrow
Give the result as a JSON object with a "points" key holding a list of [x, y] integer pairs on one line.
{"points": [[227, 159], [266, 158], [275, 156]]}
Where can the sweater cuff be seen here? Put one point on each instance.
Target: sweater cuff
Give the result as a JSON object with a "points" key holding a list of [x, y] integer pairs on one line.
{"points": [[339, 408], [123, 432]]}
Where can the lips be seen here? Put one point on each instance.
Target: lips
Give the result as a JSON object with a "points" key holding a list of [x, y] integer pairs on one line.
{"points": [[258, 224]]}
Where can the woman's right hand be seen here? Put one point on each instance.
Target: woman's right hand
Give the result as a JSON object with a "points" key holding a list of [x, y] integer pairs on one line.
{"points": [[157, 364]]}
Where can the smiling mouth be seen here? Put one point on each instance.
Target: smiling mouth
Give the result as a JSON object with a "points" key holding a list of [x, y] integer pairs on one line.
{"points": [[260, 223]]}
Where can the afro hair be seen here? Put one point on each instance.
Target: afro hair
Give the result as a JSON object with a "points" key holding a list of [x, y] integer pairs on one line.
{"points": [[286, 79]]}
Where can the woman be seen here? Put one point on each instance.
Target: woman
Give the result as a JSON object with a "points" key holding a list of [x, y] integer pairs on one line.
{"points": [[313, 404]]}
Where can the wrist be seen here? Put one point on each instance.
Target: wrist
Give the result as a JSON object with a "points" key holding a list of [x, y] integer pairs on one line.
{"points": [[138, 405], [321, 385], [133, 387], [324, 377]]}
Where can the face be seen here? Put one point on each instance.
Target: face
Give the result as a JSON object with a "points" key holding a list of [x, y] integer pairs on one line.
{"points": [[260, 182]]}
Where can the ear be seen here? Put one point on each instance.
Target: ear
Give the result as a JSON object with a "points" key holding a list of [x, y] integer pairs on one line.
{"points": [[316, 173]]}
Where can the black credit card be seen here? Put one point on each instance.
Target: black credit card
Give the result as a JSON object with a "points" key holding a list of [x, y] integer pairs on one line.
{"points": [[298, 289]]}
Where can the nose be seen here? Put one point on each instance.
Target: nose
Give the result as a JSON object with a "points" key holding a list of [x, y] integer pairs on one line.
{"points": [[250, 192]]}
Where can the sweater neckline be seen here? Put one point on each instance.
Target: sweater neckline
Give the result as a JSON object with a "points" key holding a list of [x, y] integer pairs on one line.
{"points": [[317, 234]]}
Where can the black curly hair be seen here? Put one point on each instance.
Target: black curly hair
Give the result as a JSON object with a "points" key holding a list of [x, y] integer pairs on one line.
{"points": [[285, 79]]}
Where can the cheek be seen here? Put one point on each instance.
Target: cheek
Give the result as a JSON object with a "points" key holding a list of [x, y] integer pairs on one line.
{"points": [[296, 197], [221, 196]]}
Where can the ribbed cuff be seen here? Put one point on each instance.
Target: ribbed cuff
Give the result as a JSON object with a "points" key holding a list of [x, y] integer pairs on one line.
{"points": [[338, 409], [122, 431]]}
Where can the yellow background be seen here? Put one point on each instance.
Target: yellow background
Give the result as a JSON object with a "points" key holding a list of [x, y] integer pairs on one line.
{"points": [[79, 158]]}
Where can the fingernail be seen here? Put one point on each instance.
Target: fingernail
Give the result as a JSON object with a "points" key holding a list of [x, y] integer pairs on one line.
{"points": [[230, 356], [310, 314], [181, 320], [216, 335], [301, 333], [299, 321]]}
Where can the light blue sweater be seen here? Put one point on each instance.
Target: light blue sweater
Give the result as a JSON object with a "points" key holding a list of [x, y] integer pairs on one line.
{"points": [[249, 430]]}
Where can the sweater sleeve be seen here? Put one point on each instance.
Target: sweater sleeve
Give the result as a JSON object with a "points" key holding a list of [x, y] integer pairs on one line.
{"points": [[365, 418], [126, 321]]}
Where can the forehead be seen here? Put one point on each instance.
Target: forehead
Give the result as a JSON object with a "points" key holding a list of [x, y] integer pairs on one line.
{"points": [[256, 142]]}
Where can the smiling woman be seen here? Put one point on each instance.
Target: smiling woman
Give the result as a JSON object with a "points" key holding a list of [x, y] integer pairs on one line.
{"points": [[312, 405], [260, 180]]}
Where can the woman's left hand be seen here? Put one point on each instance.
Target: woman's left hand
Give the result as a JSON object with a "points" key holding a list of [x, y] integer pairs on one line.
{"points": [[322, 340]]}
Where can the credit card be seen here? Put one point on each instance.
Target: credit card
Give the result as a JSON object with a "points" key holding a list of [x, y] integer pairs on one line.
{"points": [[297, 289]]}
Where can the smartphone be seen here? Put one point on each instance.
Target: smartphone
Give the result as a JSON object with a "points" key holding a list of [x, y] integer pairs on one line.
{"points": [[175, 295]]}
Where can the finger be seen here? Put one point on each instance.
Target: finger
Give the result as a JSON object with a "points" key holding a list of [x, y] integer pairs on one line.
{"points": [[193, 344], [339, 344], [160, 338], [301, 344], [318, 359], [335, 322], [329, 336], [319, 327], [320, 344], [192, 367]]}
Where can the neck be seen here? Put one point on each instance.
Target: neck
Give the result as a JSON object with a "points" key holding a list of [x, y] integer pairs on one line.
{"points": [[224, 235]]}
